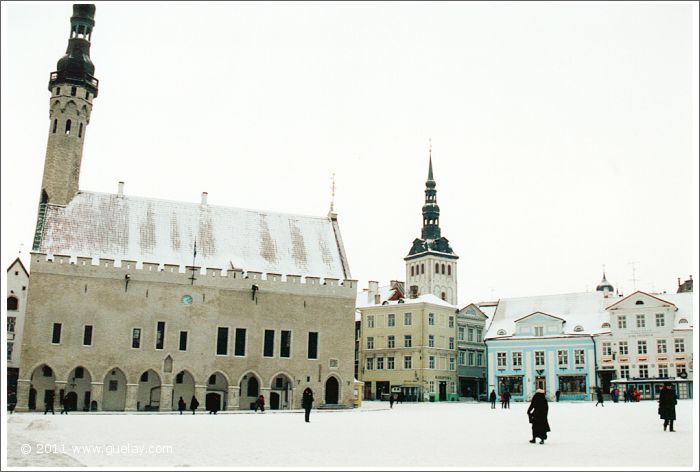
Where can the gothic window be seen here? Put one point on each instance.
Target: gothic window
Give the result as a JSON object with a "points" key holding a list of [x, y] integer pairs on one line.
{"points": [[422, 268], [55, 125], [68, 127], [73, 91], [12, 303], [80, 131], [437, 268], [443, 296], [58, 90], [449, 270], [412, 271], [443, 269], [46, 371], [87, 95], [144, 377]]}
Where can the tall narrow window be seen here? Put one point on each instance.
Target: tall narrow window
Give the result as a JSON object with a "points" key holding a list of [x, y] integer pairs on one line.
{"points": [[56, 334], [58, 90], [239, 350], [312, 351], [221, 341], [160, 335], [443, 269], [73, 91], [80, 131], [87, 335], [183, 341], [68, 127], [136, 338], [437, 268], [285, 343], [55, 125], [269, 346], [449, 270]]}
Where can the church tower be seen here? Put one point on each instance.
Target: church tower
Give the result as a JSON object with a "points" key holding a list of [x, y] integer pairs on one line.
{"points": [[72, 87], [431, 264]]}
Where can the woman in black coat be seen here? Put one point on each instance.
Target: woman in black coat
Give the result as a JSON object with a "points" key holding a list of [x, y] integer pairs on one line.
{"points": [[307, 401], [181, 405], [492, 399], [537, 412], [194, 404], [667, 406]]}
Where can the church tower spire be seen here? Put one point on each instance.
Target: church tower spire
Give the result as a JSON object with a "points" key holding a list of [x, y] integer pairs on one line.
{"points": [[73, 87], [431, 264]]}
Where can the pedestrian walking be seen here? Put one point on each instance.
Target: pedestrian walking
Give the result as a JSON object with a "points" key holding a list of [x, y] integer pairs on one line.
{"points": [[537, 413], [492, 398], [625, 396], [62, 402], [307, 401], [391, 401], [616, 395], [557, 394], [11, 402], [636, 395], [194, 404], [181, 405], [48, 404], [506, 395], [260, 404], [503, 400], [667, 406], [599, 396]]}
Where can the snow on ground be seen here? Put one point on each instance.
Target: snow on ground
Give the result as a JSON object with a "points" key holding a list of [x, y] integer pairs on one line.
{"points": [[424, 435]]}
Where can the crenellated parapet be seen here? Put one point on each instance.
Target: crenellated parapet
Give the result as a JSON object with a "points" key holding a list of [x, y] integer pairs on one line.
{"points": [[209, 277]]}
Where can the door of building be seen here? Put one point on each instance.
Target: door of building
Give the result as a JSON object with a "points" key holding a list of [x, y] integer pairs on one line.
{"points": [[443, 391], [541, 383]]}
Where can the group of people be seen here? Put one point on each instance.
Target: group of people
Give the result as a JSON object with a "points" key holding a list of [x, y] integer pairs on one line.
{"points": [[631, 395], [395, 398], [307, 401], [505, 399]]}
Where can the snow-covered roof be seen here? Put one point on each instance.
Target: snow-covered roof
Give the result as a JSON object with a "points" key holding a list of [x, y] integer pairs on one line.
{"points": [[161, 231], [585, 309], [684, 303], [427, 298], [366, 298]]}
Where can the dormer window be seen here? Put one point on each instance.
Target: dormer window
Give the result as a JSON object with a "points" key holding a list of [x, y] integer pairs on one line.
{"points": [[501, 332], [579, 328], [682, 321], [639, 302], [539, 330], [605, 325]]}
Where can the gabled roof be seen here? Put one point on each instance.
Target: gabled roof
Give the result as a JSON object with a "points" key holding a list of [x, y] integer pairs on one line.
{"points": [[18, 260], [161, 231], [638, 292], [476, 307], [540, 313]]}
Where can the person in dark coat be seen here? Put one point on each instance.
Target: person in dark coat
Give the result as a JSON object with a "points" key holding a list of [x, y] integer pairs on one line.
{"points": [[260, 403], [492, 398], [181, 405], [624, 395], [391, 401], [537, 412], [667, 406], [11, 402], [506, 396], [49, 403], [307, 401], [194, 404], [599, 396], [557, 394]]}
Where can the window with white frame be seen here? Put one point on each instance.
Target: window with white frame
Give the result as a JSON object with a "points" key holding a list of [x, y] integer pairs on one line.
{"points": [[622, 321], [539, 358], [431, 319], [643, 371], [624, 348], [452, 362], [431, 386], [460, 333], [450, 321], [461, 357], [391, 320], [625, 371], [679, 344], [579, 357], [431, 340], [661, 346], [680, 370], [380, 363], [391, 341], [370, 363], [517, 359], [451, 343], [407, 319], [607, 349], [641, 321], [641, 346], [370, 321], [663, 370], [563, 357], [370, 342], [407, 362], [390, 363], [471, 358], [660, 320], [431, 362], [453, 387], [539, 330], [470, 335], [407, 340], [478, 335], [501, 359], [479, 358]]}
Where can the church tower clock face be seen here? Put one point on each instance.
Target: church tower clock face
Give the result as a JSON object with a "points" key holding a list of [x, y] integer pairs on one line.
{"points": [[186, 300]]}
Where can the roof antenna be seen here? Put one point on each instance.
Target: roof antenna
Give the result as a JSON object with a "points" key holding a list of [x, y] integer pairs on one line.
{"points": [[332, 193]]}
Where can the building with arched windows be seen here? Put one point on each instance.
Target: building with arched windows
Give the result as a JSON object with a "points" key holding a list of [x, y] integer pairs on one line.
{"points": [[17, 282]]}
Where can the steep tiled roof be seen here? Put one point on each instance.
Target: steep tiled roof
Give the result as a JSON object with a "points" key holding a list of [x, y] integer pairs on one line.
{"points": [[160, 231]]}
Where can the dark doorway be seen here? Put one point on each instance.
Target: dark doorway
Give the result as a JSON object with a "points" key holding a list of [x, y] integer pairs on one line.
{"points": [[605, 377], [86, 402], [70, 401], [331, 391], [213, 401], [382, 390], [32, 399], [443, 391], [252, 387], [274, 401]]}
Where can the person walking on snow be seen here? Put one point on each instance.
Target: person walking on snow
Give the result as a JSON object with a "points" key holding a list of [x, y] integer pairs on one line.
{"points": [[492, 398], [506, 395], [537, 413], [667, 406], [194, 404], [181, 405], [557, 394], [599, 396], [391, 401], [503, 400], [260, 403], [307, 401]]}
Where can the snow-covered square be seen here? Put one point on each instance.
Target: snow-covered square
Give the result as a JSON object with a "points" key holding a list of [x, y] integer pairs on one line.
{"points": [[425, 435]]}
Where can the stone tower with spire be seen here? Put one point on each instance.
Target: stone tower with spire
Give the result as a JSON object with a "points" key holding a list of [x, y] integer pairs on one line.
{"points": [[73, 88], [431, 264]]}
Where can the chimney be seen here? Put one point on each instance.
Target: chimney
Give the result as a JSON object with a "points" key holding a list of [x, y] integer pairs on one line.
{"points": [[204, 198], [373, 292], [120, 191]]}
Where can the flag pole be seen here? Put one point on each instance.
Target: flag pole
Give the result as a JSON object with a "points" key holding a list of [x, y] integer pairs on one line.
{"points": [[194, 256]]}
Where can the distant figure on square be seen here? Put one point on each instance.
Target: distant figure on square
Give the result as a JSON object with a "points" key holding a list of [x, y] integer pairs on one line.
{"points": [[503, 400], [48, 405], [391, 400], [557, 394], [260, 404], [11, 401], [194, 404], [636, 395], [625, 395], [537, 413], [492, 398], [667, 406], [506, 396], [307, 401], [599, 396], [616, 395], [181, 405]]}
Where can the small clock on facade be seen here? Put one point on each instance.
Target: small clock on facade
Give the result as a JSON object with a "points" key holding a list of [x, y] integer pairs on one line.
{"points": [[186, 300]]}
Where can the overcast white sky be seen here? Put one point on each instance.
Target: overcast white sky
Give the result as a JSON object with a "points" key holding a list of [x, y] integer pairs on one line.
{"points": [[565, 136]]}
